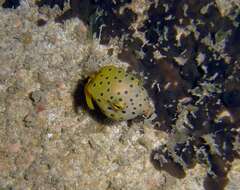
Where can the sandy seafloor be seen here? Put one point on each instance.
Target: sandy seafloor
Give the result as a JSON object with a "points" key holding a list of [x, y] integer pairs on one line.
{"points": [[45, 143]]}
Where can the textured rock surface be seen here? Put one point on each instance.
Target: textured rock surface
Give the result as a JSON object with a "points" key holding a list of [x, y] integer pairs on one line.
{"points": [[48, 140]]}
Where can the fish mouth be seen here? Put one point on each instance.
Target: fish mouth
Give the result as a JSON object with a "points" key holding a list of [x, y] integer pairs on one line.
{"points": [[148, 112]]}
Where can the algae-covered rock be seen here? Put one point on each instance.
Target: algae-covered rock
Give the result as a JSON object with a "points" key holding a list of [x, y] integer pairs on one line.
{"points": [[187, 56]]}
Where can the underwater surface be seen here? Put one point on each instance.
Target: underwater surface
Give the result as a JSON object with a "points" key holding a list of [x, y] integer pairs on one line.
{"points": [[188, 54]]}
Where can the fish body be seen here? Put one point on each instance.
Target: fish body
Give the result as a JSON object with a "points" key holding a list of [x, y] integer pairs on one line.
{"points": [[119, 94]]}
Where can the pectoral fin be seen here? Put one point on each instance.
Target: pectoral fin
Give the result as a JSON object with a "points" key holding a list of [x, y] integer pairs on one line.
{"points": [[117, 106]]}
